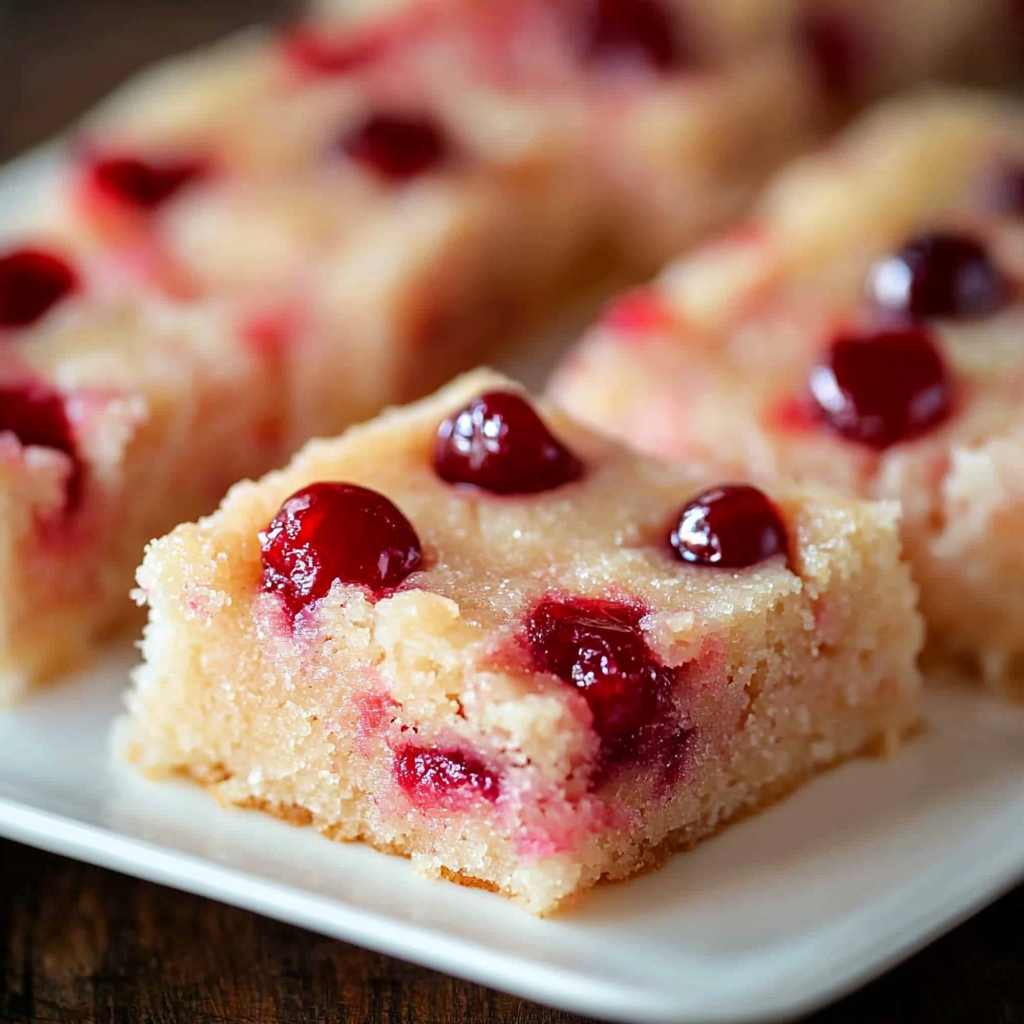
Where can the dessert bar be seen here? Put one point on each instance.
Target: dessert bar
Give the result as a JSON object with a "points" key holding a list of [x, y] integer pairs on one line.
{"points": [[477, 634], [864, 329]]}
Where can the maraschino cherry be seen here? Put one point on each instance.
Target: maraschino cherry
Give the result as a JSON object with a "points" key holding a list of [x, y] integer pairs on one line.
{"points": [[882, 386], [337, 532], [499, 444], [733, 526], [32, 282], [599, 647], [397, 147], [939, 275]]}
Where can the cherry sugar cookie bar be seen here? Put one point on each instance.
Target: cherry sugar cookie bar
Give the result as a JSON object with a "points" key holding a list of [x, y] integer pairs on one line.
{"points": [[366, 238], [859, 46], [638, 123], [864, 330], [387, 198], [120, 414], [475, 633], [684, 105], [595, 126]]}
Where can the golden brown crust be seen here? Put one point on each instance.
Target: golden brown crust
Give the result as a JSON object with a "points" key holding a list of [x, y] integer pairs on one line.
{"points": [[469, 882], [293, 814]]}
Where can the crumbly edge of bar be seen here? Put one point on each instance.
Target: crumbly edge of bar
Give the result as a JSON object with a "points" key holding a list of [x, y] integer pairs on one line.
{"points": [[651, 858]]}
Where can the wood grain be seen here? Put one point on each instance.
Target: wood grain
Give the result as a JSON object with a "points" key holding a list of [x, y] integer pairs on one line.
{"points": [[84, 946]]}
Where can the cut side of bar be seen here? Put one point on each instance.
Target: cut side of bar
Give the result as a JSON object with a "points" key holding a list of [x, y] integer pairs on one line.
{"points": [[118, 416], [474, 633]]}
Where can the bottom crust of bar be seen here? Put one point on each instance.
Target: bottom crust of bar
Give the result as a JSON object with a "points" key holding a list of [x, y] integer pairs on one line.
{"points": [[651, 858]]}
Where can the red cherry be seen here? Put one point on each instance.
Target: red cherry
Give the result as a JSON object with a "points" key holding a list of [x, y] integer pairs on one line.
{"points": [[883, 386], [499, 444], [36, 415], [142, 184], [430, 774], [397, 147], [939, 275], [331, 532], [31, 282], [630, 34], [729, 527], [598, 646]]}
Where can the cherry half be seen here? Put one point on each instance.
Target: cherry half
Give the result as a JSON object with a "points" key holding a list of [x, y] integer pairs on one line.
{"points": [[31, 283], [939, 275], [37, 415], [599, 647], [729, 527], [330, 532], [397, 147], [498, 443], [883, 386], [431, 775], [143, 184]]}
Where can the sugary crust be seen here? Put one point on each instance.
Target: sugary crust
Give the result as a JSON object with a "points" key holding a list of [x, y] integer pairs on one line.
{"points": [[785, 673]]}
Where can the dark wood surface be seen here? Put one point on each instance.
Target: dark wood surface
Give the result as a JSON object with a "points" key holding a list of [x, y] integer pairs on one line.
{"points": [[81, 945], [85, 946]]}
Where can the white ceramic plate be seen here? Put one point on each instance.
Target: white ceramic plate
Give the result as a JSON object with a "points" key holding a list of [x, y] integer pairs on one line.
{"points": [[774, 917]]}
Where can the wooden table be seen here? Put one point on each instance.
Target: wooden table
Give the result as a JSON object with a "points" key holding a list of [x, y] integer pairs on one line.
{"points": [[83, 945]]}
